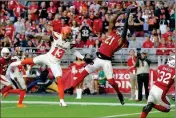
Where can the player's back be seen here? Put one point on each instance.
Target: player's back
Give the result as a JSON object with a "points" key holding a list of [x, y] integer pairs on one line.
{"points": [[165, 77], [110, 45]]}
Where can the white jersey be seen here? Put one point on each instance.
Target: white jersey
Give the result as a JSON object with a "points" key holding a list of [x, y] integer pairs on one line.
{"points": [[58, 47], [14, 72]]}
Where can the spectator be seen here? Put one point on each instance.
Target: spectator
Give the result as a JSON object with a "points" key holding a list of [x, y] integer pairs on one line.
{"points": [[10, 31], [161, 52], [105, 23], [51, 9], [75, 30], [42, 47], [143, 67], [167, 34], [79, 43], [17, 41], [90, 42], [65, 17], [19, 10], [95, 7], [43, 10], [138, 25], [85, 31], [132, 71], [19, 26], [76, 67], [134, 43], [33, 11], [97, 24], [147, 43]]}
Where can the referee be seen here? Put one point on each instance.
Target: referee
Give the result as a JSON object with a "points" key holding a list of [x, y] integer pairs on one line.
{"points": [[143, 66]]}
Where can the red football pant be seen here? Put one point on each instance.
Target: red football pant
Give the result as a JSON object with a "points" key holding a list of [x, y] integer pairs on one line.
{"points": [[80, 78]]}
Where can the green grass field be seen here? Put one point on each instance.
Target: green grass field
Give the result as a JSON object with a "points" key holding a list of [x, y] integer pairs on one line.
{"points": [[89, 106]]}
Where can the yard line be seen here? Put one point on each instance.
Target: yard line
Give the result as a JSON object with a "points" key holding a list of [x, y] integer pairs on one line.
{"points": [[123, 115], [78, 103]]}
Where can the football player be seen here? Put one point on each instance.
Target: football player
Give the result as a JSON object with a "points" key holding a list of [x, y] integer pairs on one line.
{"points": [[157, 98], [60, 43], [109, 46], [5, 61]]}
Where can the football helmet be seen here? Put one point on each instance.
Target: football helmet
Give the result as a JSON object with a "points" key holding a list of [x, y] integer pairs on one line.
{"points": [[171, 61], [5, 53]]}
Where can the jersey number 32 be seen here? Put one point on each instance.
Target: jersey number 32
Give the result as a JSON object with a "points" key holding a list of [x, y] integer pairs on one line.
{"points": [[164, 77]]}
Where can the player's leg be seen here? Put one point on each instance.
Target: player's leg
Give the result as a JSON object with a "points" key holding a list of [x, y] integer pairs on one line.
{"points": [[22, 86], [107, 68], [80, 76], [146, 85], [140, 86], [7, 84], [151, 100], [57, 72], [163, 103]]}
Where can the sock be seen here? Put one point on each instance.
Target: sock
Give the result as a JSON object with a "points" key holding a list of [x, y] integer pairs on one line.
{"points": [[136, 94], [27, 61], [79, 93], [6, 89], [80, 78], [144, 114], [114, 85], [161, 108], [22, 94], [60, 87]]}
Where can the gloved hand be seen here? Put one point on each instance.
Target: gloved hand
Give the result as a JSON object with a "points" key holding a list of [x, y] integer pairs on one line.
{"points": [[88, 60]]}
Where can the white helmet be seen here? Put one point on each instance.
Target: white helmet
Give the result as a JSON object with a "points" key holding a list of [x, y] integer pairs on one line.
{"points": [[171, 61], [5, 53]]}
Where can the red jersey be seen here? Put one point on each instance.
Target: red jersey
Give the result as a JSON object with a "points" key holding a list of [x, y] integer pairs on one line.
{"points": [[97, 25], [4, 63], [9, 30], [110, 45], [77, 67], [161, 51], [34, 16], [131, 62], [56, 25], [165, 77], [51, 10], [12, 4], [18, 10], [90, 43], [147, 44]]}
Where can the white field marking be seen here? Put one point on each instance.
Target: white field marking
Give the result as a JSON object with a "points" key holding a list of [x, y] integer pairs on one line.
{"points": [[78, 103], [123, 115]]}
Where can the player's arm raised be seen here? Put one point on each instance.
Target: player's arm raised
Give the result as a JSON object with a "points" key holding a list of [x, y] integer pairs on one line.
{"points": [[112, 20]]}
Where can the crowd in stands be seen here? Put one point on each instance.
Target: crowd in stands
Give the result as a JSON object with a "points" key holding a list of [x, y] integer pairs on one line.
{"points": [[88, 20]]}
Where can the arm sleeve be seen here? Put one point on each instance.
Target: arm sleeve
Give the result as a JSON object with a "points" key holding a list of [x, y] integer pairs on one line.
{"points": [[77, 54]]}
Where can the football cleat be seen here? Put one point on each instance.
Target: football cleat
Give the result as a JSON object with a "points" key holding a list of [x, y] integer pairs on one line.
{"points": [[62, 103], [21, 105], [148, 107], [121, 98]]}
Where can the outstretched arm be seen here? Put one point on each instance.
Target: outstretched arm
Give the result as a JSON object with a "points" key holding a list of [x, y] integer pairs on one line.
{"points": [[112, 20]]}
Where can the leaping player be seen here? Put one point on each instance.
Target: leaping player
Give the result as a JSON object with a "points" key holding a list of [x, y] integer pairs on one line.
{"points": [[60, 43], [112, 43], [157, 98]]}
